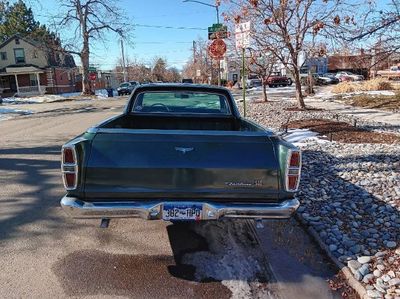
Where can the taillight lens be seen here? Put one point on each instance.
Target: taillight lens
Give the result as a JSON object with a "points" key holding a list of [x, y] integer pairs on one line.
{"points": [[293, 170], [68, 156], [69, 168]]}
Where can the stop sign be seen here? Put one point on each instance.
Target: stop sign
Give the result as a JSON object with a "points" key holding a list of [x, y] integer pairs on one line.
{"points": [[92, 76], [217, 49]]}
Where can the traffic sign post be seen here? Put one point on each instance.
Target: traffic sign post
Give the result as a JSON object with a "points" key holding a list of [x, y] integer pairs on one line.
{"points": [[92, 76], [217, 31], [242, 35], [217, 51]]}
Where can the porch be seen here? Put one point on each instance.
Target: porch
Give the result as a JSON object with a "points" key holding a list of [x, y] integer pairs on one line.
{"points": [[22, 81]]}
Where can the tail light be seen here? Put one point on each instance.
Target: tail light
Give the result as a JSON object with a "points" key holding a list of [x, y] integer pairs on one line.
{"points": [[69, 167], [293, 170]]}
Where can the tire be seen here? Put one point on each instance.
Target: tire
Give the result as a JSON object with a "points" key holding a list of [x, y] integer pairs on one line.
{"points": [[270, 85], [290, 82]]}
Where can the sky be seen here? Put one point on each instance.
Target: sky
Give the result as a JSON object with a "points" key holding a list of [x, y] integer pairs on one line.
{"points": [[173, 44]]}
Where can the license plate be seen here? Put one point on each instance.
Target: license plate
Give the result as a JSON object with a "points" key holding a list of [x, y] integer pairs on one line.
{"points": [[176, 211]]}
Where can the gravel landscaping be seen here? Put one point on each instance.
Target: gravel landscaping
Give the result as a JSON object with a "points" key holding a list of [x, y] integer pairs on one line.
{"points": [[350, 195]]}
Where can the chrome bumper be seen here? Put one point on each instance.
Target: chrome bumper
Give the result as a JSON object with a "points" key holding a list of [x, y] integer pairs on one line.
{"points": [[152, 210]]}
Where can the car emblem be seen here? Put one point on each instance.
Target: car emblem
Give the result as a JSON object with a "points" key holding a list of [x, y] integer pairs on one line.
{"points": [[184, 150]]}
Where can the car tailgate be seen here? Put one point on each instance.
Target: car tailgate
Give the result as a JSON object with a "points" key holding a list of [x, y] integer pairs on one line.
{"points": [[181, 165]]}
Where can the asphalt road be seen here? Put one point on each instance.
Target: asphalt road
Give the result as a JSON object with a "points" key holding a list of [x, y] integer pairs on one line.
{"points": [[44, 254]]}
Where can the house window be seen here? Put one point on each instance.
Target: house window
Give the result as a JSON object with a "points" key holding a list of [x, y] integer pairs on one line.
{"points": [[3, 55], [17, 41], [33, 79], [19, 55]]}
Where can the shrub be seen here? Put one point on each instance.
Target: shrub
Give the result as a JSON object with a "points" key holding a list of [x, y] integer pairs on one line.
{"points": [[369, 85]]}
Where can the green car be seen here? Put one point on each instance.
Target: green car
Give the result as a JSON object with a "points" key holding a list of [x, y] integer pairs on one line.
{"points": [[180, 152]]}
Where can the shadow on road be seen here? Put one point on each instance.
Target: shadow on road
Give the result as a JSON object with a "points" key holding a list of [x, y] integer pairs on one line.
{"points": [[29, 189]]}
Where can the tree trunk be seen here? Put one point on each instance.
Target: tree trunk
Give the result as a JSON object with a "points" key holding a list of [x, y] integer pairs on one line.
{"points": [[86, 90], [264, 86], [299, 93]]}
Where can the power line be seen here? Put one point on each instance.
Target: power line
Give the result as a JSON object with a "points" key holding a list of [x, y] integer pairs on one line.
{"points": [[169, 27]]}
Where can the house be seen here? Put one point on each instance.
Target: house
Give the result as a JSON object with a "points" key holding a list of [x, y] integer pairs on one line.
{"points": [[317, 65], [28, 67], [356, 63]]}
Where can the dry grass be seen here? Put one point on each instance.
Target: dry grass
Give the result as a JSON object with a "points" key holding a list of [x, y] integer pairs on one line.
{"points": [[369, 85], [389, 103]]}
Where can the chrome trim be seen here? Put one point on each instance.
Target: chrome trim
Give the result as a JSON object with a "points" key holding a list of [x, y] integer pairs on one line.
{"points": [[152, 210]]}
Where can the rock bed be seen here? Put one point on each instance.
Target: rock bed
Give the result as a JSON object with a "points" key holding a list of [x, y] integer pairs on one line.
{"points": [[350, 194]]}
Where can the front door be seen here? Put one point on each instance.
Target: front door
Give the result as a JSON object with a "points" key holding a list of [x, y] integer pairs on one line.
{"points": [[11, 83]]}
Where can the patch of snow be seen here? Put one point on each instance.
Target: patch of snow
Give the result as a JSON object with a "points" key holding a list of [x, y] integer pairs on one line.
{"points": [[232, 258], [14, 111], [301, 136], [103, 94], [372, 92], [70, 94], [5, 113], [34, 100]]}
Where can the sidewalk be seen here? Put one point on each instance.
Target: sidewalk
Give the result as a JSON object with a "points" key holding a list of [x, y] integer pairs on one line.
{"points": [[327, 103]]}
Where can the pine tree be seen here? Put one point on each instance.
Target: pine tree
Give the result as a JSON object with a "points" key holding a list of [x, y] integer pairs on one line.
{"points": [[18, 19]]}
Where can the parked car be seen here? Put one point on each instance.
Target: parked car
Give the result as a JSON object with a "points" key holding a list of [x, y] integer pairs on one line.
{"points": [[317, 80], [349, 76], [391, 74], [276, 79], [180, 152], [253, 82], [250, 83], [126, 87], [187, 80], [329, 78]]}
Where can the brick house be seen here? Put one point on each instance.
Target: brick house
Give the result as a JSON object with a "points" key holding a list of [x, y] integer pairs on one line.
{"points": [[27, 67]]}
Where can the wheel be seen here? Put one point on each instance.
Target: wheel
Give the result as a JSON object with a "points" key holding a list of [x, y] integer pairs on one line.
{"points": [[290, 82], [119, 93]]}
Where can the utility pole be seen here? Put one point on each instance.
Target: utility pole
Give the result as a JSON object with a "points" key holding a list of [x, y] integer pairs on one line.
{"points": [[123, 61], [194, 61], [244, 81]]}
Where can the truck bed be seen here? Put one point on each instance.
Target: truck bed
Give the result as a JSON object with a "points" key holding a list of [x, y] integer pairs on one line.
{"points": [[162, 122]]}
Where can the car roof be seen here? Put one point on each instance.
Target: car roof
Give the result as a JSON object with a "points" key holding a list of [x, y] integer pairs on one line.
{"points": [[181, 86]]}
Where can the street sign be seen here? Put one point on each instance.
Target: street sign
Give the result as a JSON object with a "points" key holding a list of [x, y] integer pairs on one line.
{"points": [[198, 73], [242, 35], [217, 49], [217, 31], [92, 76]]}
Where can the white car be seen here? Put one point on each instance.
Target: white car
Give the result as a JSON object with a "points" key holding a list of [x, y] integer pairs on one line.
{"points": [[349, 76]]}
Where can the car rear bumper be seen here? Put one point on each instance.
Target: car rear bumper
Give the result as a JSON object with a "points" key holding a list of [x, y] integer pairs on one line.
{"points": [[152, 210]]}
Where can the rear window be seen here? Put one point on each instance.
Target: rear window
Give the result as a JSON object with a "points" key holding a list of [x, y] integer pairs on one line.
{"points": [[181, 102]]}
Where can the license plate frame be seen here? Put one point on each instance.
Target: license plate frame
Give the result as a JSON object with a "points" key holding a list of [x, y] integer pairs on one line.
{"points": [[182, 212]]}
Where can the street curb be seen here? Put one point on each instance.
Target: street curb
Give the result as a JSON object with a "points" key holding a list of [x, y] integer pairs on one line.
{"points": [[354, 283]]}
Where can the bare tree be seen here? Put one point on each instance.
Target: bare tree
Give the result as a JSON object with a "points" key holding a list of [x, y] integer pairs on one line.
{"points": [[380, 25], [198, 61], [89, 20], [262, 63], [285, 28]]}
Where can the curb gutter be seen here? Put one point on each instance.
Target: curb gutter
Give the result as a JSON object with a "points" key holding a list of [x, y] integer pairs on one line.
{"points": [[354, 283]]}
